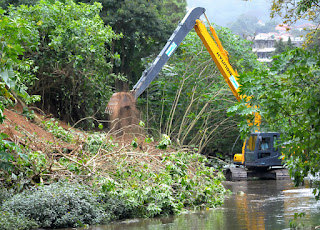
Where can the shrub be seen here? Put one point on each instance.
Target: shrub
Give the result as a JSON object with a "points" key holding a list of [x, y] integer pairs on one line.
{"points": [[183, 182], [53, 127], [58, 205], [5, 194], [114, 206], [9, 221], [97, 141]]}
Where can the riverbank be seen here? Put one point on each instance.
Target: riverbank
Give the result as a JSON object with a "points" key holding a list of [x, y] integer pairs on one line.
{"points": [[257, 204], [80, 179]]}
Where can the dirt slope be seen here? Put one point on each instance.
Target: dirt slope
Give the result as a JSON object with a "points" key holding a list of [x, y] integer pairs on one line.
{"points": [[26, 132]]}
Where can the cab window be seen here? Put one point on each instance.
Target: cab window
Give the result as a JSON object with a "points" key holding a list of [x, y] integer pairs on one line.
{"points": [[264, 143]]}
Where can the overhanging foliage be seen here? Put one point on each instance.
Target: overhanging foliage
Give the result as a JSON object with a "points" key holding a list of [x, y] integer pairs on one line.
{"points": [[288, 100]]}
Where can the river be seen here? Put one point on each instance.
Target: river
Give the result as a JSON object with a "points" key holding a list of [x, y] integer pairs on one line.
{"points": [[260, 204]]}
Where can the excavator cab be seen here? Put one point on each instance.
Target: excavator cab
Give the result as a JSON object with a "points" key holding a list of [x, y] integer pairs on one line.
{"points": [[260, 150]]}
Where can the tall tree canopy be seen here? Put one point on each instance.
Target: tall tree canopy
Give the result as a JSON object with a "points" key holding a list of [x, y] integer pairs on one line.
{"points": [[291, 10], [6, 3], [72, 74], [75, 42], [145, 26]]}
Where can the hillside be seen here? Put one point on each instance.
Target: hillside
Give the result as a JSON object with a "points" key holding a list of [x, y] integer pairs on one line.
{"points": [[106, 176], [56, 140], [23, 131]]}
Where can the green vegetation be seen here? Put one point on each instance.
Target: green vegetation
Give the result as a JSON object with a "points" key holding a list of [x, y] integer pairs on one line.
{"points": [[70, 60], [74, 59], [292, 11], [307, 10], [57, 205], [181, 181], [66, 57], [74, 62], [189, 100], [282, 46], [145, 26], [14, 36], [287, 96], [53, 127], [60, 56], [288, 99], [124, 183], [72, 73], [9, 221], [298, 221]]}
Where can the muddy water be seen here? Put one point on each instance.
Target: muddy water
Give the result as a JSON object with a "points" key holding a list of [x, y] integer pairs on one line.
{"points": [[252, 205]]}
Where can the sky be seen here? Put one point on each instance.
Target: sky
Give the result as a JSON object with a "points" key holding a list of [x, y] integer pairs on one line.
{"points": [[224, 12]]}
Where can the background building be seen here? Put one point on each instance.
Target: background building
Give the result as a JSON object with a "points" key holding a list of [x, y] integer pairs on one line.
{"points": [[264, 43]]}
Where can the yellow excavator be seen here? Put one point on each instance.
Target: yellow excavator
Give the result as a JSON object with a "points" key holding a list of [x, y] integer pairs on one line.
{"points": [[260, 155]]}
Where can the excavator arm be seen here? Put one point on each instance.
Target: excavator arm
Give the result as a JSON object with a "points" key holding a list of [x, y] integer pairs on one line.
{"points": [[219, 56], [184, 27]]}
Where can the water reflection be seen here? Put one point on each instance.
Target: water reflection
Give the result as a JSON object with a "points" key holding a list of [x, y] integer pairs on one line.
{"points": [[253, 205], [270, 204]]}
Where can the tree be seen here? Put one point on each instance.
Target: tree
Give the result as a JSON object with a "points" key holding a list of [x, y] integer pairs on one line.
{"points": [[145, 26], [279, 46], [291, 11], [72, 77], [16, 36], [174, 11], [314, 43], [6, 3], [290, 45], [287, 96], [245, 25]]}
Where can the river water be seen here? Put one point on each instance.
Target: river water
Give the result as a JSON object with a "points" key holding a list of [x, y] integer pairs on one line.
{"points": [[261, 204]]}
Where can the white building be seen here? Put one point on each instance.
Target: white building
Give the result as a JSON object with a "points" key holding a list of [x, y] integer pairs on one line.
{"points": [[264, 43], [263, 46]]}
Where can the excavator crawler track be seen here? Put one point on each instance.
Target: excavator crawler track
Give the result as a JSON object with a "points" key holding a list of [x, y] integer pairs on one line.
{"points": [[239, 173]]}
